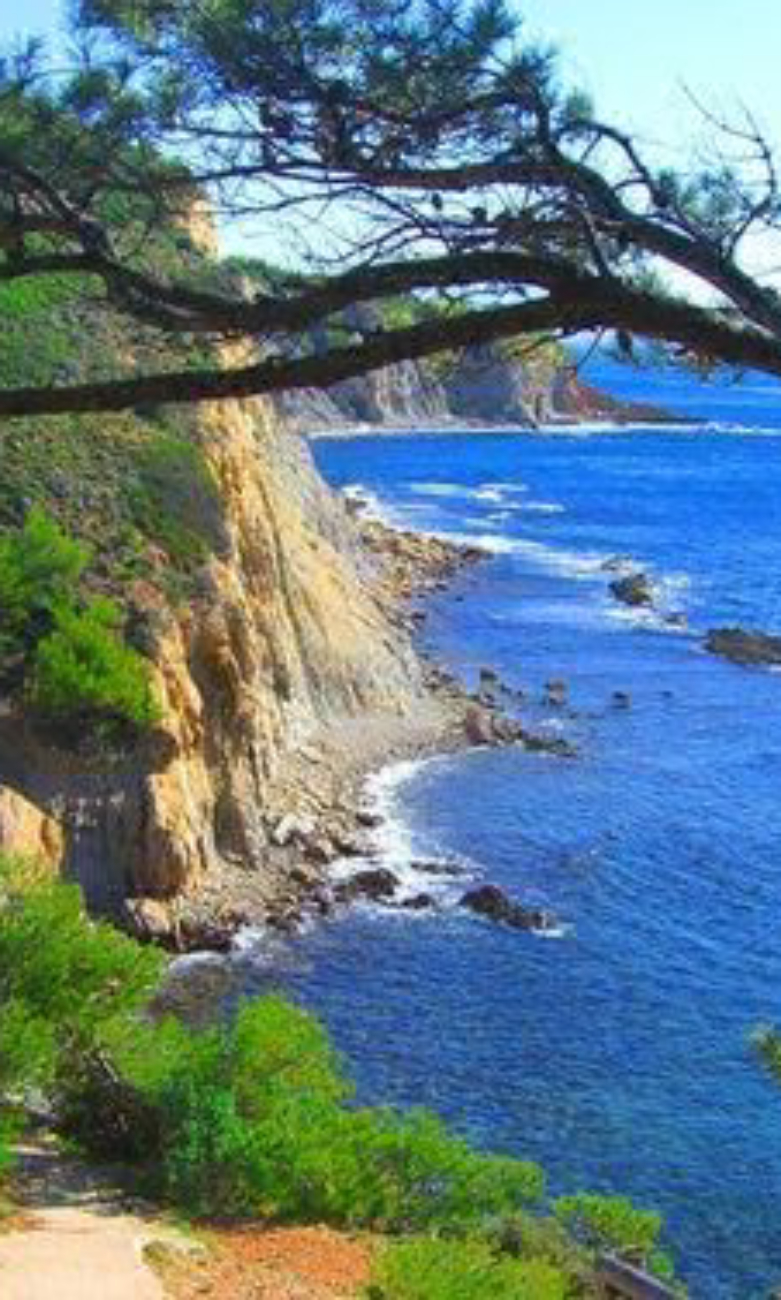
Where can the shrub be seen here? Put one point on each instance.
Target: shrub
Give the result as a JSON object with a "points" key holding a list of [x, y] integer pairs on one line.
{"points": [[39, 569], [82, 669], [9, 1132], [409, 1173], [611, 1222], [437, 1269], [255, 1118], [63, 978]]}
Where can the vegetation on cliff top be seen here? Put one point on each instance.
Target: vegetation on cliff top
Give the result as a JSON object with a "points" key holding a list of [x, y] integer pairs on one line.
{"points": [[255, 1117]]}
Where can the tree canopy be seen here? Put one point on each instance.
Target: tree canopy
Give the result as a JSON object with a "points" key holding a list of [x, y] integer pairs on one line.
{"points": [[419, 148]]}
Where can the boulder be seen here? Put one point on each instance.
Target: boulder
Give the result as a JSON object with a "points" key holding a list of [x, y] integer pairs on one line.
{"points": [[494, 903], [634, 589], [149, 920], [27, 831], [367, 819], [479, 726], [437, 867], [292, 828], [555, 693], [377, 883], [744, 647], [417, 903]]}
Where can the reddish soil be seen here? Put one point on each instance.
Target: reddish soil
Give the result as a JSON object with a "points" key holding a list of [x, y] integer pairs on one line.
{"points": [[273, 1264]]}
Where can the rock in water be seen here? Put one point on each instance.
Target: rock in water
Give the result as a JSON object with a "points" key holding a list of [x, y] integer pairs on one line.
{"points": [[744, 647], [635, 589], [491, 901], [417, 903], [378, 884], [555, 693]]}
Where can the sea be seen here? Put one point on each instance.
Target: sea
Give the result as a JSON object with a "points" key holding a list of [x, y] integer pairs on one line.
{"points": [[615, 1048]]}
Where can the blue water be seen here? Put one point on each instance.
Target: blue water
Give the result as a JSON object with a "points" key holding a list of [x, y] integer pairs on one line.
{"points": [[618, 1054]]}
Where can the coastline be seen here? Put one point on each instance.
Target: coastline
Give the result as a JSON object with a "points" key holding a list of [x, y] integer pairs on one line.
{"points": [[545, 429], [339, 821]]}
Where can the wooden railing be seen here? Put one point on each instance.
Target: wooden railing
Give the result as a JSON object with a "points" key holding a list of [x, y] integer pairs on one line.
{"points": [[622, 1281]]}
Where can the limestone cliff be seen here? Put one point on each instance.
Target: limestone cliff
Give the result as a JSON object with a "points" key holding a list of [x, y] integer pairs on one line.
{"points": [[283, 645], [284, 642]]}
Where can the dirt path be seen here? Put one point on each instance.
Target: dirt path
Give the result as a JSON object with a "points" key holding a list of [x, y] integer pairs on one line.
{"points": [[79, 1237]]}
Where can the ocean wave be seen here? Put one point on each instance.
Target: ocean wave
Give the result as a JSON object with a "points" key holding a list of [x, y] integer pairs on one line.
{"points": [[507, 489], [395, 845], [541, 508], [734, 427], [371, 506], [440, 489]]}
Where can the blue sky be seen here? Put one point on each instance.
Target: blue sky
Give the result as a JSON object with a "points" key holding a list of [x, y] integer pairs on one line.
{"points": [[634, 57]]}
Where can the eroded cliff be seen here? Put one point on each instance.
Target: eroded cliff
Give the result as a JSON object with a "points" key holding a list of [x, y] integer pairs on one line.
{"points": [[283, 668]]}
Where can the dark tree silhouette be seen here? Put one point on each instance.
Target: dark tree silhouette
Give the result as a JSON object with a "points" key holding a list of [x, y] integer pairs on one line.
{"points": [[418, 148]]}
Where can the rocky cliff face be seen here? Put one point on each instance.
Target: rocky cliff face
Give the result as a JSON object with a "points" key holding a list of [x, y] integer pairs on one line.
{"points": [[284, 645], [484, 386]]}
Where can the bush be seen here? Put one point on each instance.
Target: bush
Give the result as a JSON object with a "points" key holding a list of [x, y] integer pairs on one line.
{"points": [[64, 980], [83, 669], [39, 569], [254, 1117], [611, 1222], [9, 1132], [431, 1269]]}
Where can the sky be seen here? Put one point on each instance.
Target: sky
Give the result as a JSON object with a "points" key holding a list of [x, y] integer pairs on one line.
{"points": [[635, 57]]}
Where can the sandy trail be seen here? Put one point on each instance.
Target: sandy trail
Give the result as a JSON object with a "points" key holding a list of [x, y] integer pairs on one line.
{"points": [[81, 1239]]}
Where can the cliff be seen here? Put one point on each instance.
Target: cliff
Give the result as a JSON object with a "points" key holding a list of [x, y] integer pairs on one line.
{"points": [[281, 666], [491, 385], [282, 647]]}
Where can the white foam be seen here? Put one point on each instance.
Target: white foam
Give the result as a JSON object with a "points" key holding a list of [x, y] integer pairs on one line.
{"points": [[505, 488], [571, 564], [371, 505], [394, 845], [541, 507], [440, 489]]}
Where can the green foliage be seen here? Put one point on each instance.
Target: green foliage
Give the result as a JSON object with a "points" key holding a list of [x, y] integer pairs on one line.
{"points": [[9, 1133], [767, 1042], [64, 979], [254, 1117], [435, 1269], [83, 671], [609, 1221], [175, 501], [39, 570], [542, 1237], [76, 666]]}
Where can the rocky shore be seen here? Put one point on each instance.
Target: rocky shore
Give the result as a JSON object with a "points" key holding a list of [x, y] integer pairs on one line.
{"points": [[320, 814]]}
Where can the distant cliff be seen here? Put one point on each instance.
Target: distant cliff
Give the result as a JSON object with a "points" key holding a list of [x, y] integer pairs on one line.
{"points": [[483, 386]]}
